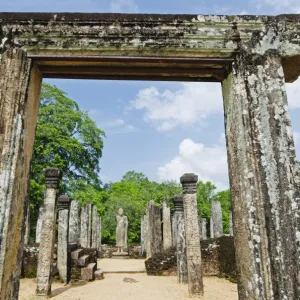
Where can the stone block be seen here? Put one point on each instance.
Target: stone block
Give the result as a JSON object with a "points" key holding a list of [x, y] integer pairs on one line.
{"points": [[76, 254], [83, 260], [87, 273], [99, 274]]}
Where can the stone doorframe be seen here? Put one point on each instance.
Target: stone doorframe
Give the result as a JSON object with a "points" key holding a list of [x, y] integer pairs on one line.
{"points": [[252, 56]]}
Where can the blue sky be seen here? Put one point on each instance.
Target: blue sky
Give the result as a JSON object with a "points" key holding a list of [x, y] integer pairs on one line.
{"points": [[161, 129]]}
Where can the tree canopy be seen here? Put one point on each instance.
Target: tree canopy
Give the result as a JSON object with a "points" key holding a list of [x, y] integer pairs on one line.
{"points": [[66, 138]]}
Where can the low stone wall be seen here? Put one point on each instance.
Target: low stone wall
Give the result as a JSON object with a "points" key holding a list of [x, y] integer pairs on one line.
{"points": [[218, 259], [30, 261], [164, 263]]}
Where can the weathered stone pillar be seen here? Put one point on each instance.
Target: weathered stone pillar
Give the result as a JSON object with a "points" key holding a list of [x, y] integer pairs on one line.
{"points": [[46, 249], [211, 228], [174, 228], [203, 229], [99, 246], [167, 232], [182, 272], [63, 255], [217, 221], [262, 171], [27, 226], [230, 224], [85, 226], [20, 84], [143, 233], [39, 223], [74, 222], [192, 234], [95, 227], [154, 233]]}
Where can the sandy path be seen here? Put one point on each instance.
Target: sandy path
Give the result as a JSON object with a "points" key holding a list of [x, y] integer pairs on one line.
{"points": [[109, 265], [113, 287]]}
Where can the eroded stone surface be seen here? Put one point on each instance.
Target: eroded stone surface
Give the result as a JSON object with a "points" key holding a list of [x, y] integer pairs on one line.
{"points": [[74, 223], [19, 97], [261, 156], [192, 234], [216, 219], [167, 232], [46, 249], [63, 254], [182, 272], [85, 226], [153, 229]]}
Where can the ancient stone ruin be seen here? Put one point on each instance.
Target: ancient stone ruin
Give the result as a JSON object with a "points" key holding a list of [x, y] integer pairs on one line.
{"points": [[251, 56]]}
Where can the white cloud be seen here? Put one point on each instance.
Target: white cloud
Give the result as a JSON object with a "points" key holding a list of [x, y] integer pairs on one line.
{"points": [[189, 105], [293, 94], [119, 126], [208, 162], [122, 6]]}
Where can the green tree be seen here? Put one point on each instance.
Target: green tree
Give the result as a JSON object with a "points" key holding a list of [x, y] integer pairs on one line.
{"points": [[205, 194], [133, 193], [66, 138]]}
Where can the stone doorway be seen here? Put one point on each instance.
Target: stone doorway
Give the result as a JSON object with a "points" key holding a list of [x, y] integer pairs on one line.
{"points": [[253, 57]]}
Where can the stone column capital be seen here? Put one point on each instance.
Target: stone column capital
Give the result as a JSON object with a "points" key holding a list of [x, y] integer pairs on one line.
{"points": [[188, 182], [63, 202], [52, 177], [178, 203]]}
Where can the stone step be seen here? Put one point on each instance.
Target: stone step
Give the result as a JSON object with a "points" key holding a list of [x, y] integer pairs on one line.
{"points": [[87, 273], [83, 260], [99, 274], [76, 254]]}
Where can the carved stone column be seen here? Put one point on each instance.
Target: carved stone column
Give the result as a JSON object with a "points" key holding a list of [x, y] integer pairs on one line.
{"points": [[262, 171], [216, 216], [203, 229], [39, 223], [46, 249], [74, 222], [85, 226], [99, 246], [167, 232], [182, 272], [20, 84], [27, 228], [192, 234], [153, 229], [95, 227], [63, 255], [143, 235]]}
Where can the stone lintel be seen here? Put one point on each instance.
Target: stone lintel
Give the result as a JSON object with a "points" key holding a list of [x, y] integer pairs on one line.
{"points": [[52, 177]]}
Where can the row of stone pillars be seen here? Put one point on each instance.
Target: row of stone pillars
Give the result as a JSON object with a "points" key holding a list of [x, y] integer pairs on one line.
{"points": [[74, 227], [185, 236]]}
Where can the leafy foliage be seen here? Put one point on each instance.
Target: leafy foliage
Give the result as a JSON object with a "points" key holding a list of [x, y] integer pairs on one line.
{"points": [[133, 193], [66, 138]]}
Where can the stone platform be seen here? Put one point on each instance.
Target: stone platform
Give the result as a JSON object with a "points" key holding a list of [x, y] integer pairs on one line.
{"points": [[120, 255]]}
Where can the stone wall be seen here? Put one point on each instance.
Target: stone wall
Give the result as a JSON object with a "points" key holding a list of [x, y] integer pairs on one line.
{"points": [[218, 259], [30, 261]]}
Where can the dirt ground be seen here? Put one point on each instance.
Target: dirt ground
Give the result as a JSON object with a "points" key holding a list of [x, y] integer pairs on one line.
{"points": [[131, 286]]}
